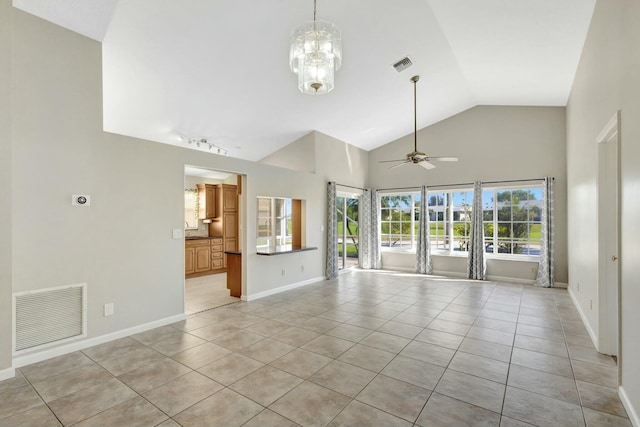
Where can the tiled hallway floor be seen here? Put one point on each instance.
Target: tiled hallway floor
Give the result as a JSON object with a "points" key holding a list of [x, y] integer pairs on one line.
{"points": [[206, 292], [367, 349]]}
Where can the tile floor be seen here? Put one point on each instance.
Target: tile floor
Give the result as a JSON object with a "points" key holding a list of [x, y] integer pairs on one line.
{"points": [[206, 292], [367, 349]]}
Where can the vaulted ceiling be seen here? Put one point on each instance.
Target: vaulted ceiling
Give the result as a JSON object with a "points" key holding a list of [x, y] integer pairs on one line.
{"points": [[219, 69]]}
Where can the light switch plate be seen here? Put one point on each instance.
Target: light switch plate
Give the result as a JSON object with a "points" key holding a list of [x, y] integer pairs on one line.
{"points": [[177, 233]]}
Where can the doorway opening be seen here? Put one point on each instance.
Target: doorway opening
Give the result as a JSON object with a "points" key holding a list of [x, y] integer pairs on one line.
{"points": [[212, 209], [347, 217], [608, 193]]}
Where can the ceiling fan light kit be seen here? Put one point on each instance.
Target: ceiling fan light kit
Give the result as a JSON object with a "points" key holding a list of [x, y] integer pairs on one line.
{"points": [[417, 157], [315, 54]]}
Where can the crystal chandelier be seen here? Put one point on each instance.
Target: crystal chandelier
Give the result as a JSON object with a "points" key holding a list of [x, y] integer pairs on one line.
{"points": [[316, 53]]}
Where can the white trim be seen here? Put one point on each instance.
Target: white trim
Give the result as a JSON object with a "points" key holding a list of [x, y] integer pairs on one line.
{"points": [[274, 291], [592, 333], [7, 374], [631, 411], [27, 359], [609, 130]]}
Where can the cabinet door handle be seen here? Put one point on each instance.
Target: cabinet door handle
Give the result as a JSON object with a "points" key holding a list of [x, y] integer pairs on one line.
{"points": [[614, 258]]}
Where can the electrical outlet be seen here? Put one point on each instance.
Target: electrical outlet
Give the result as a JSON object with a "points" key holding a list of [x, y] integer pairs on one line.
{"points": [[108, 309]]}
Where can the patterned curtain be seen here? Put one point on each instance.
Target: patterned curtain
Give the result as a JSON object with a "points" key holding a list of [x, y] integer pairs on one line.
{"points": [[476, 264], [545, 276], [332, 232], [423, 251], [369, 230]]}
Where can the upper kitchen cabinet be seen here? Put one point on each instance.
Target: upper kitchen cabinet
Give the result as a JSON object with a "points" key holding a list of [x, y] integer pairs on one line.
{"points": [[206, 201]]}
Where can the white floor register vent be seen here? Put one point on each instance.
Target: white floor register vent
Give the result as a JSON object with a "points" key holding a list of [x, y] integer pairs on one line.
{"points": [[48, 317]]}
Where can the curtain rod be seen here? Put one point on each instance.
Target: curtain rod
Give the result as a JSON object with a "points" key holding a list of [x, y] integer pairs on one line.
{"points": [[350, 186], [465, 184]]}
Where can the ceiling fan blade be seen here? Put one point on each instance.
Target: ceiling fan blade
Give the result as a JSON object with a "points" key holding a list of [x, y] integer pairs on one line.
{"points": [[400, 164], [425, 164], [389, 161], [444, 159]]}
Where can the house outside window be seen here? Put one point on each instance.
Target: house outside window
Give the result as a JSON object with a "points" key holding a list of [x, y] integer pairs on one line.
{"points": [[399, 215]]}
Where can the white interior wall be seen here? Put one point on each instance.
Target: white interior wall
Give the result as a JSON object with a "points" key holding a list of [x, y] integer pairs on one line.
{"points": [[607, 81], [493, 144], [6, 189]]}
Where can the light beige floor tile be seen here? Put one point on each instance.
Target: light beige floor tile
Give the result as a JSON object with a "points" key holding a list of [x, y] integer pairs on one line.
{"points": [[213, 331], [359, 414], [88, 402], [17, 381], [540, 332], [179, 394], [451, 316], [349, 332], [126, 362], [387, 342], [268, 418], [169, 423], [56, 366], [442, 339], [486, 349], [266, 351], [601, 419], [38, 416], [479, 366], [541, 411], [601, 398], [268, 328], [301, 363], [112, 349], [225, 408], [18, 400], [319, 324], [400, 329], [554, 348], [499, 325], [491, 335], [343, 378], [443, 411], [310, 405], [448, 326], [266, 385], [366, 321], [542, 362], [153, 374], [597, 374], [367, 357], [414, 372], [413, 319], [512, 422], [201, 355], [474, 390], [396, 397], [328, 346], [71, 381], [237, 340], [546, 384], [177, 343], [231, 368], [136, 412], [430, 353], [590, 355], [296, 337]]}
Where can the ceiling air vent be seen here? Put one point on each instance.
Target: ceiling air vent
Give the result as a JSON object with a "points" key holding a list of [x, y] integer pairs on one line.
{"points": [[403, 64]]}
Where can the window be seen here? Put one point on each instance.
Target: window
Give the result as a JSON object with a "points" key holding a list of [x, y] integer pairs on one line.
{"points": [[274, 222], [512, 220], [450, 220], [191, 209], [399, 215], [347, 218]]}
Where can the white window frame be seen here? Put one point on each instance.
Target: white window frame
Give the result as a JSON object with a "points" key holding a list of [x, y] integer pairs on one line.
{"points": [[449, 222], [412, 247]]}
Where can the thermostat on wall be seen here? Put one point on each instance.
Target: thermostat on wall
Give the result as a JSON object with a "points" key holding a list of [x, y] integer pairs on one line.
{"points": [[80, 200]]}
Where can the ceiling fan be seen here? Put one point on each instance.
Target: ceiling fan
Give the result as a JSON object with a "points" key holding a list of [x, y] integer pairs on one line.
{"points": [[417, 157]]}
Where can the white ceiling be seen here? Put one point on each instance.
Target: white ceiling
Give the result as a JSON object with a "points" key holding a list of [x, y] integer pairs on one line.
{"points": [[219, 69]]}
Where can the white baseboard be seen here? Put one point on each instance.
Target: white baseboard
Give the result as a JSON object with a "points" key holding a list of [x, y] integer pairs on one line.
{"points": [[274, 291], [38, 356], [590, 331], [8, 373], [631, 411]]}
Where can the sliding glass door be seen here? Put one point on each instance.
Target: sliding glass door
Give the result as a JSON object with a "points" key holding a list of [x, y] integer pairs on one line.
{"points": [[347, 217]]}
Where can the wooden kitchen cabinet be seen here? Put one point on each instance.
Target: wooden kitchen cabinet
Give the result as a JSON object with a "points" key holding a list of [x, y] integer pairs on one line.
{"points": [[226, 222], [189, 260], [206, 201], [203, 259]]}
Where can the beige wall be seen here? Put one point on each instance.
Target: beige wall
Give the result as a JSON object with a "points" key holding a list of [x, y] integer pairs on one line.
{"points": [[6, 191], [493, 143], [299, 155], [122, 244], [607, 80]]}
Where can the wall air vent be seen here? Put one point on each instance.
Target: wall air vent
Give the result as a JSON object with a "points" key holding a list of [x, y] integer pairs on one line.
{"points": [[49, 316], [403, 64]]}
